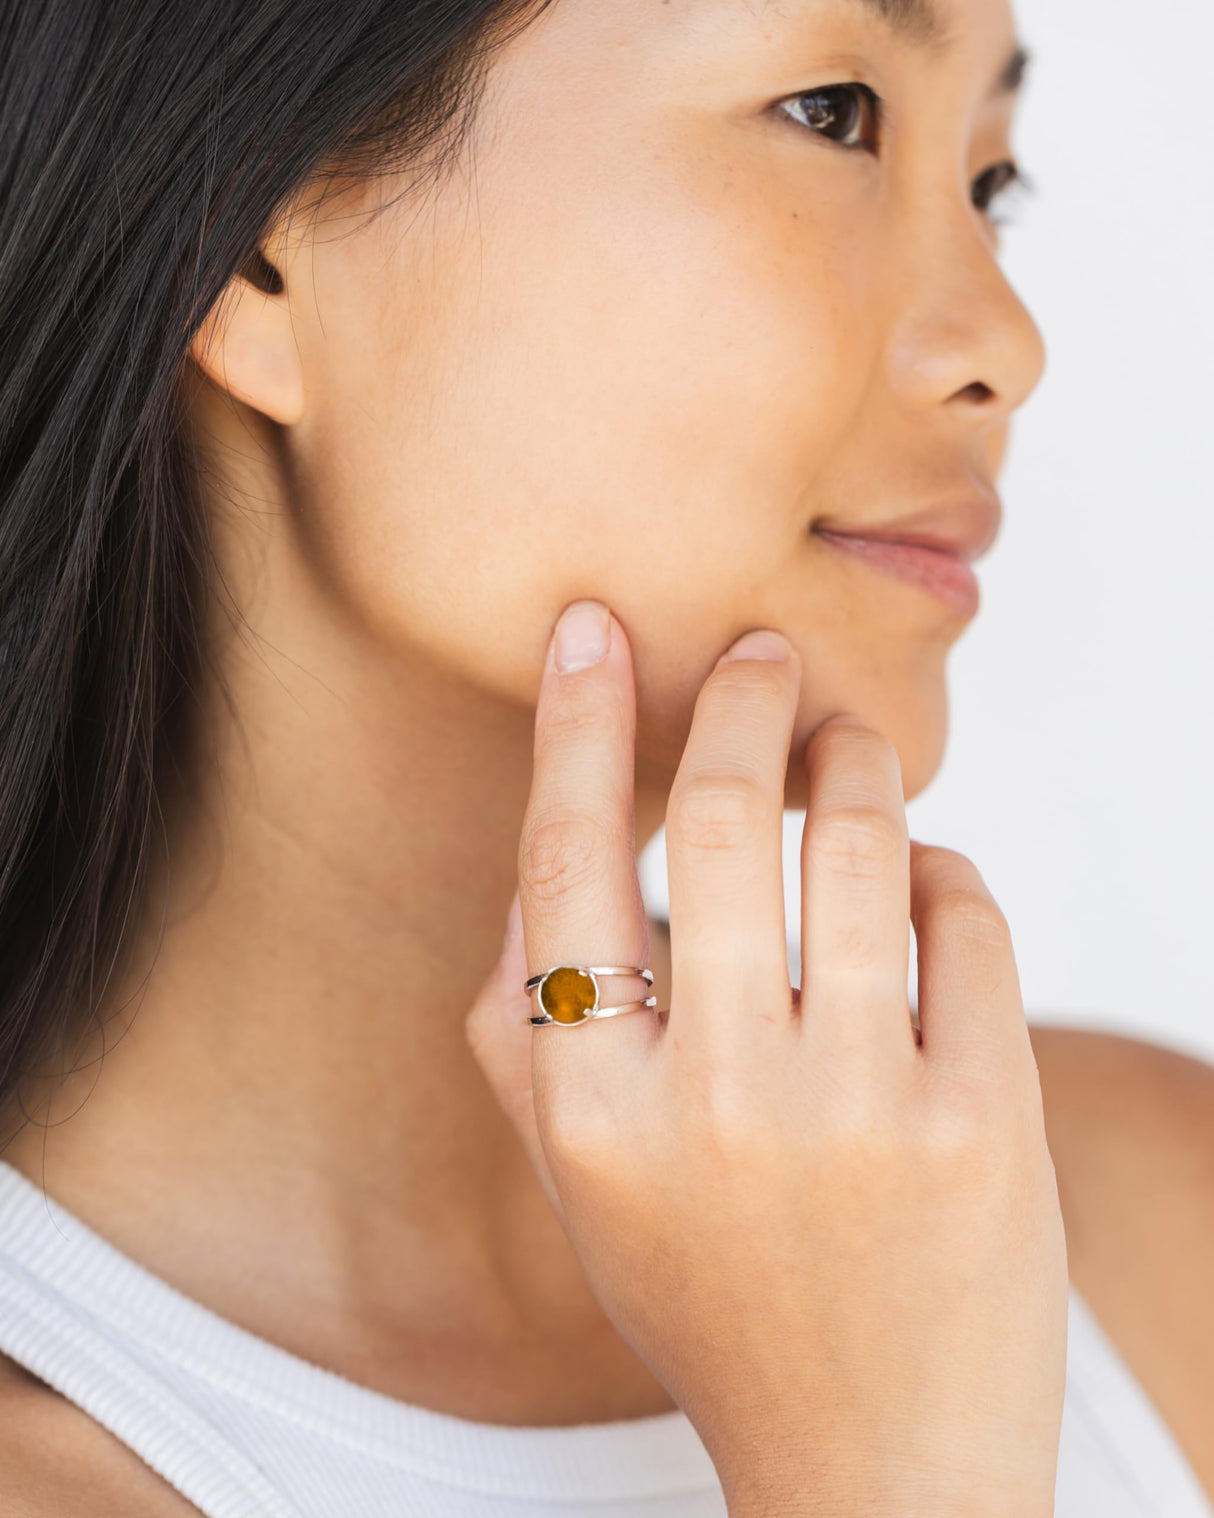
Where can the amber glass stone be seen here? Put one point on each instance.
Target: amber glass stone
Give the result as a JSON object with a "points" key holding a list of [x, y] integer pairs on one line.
{"points": [[567, 995]]}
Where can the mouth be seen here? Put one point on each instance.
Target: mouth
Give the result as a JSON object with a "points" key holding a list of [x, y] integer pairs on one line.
{"points": [[947, 575], [934, 551]]}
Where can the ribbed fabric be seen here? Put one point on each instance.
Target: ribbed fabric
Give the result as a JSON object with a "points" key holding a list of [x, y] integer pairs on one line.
{"points": [[245, 1430]]}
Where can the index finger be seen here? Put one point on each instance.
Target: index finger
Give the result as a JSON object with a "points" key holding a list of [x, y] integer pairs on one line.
{"points": [[578, 887]]}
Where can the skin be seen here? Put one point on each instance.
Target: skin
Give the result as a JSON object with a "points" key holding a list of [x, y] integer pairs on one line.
{"points": [[645, 336]]}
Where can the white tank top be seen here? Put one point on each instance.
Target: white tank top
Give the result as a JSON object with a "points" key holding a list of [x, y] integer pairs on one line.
{"points": [[245, 1430]]}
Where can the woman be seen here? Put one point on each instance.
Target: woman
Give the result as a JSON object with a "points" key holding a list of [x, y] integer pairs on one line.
{"points": [[347, 348]]}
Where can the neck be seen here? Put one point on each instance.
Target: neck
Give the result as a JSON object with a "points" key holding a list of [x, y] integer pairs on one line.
{"points": [[287, 1115]]}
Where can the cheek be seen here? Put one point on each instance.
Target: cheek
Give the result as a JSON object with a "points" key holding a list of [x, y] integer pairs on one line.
{"points": [[649, 415], [580, 393]]}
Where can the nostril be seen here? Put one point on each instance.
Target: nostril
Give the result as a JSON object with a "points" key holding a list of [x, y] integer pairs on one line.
{"points": [[978, 394]]}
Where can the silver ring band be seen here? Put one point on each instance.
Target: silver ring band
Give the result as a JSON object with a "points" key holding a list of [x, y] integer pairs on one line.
{"points": [[569, 994], [628, 1006]]}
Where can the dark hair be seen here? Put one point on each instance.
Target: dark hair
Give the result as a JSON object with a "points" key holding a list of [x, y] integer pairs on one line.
{"points": [[145, 151]]}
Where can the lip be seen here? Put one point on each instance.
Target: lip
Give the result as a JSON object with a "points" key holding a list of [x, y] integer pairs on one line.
{"points": [[932, 549]]}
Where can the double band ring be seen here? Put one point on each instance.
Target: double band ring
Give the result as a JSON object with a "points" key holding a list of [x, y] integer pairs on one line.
{"points": [[569, 994]]}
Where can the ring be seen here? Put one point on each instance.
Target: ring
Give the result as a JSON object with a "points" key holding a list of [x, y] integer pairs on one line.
{"points": [[569, 994]]}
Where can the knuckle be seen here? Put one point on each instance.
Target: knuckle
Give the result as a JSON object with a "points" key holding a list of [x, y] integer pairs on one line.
{"points": [[960, 1134], [854, 743], [974, 916], [717, 812], [858, 841], [965, 1112], [585, 714], [728, 1123], [560, 855], [575, 1133], [981, 1115], [975, 1158], [937, 869], [947, 886], [861, 1125]]}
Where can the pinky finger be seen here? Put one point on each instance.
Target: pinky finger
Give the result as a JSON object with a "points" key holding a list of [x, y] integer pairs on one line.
{"points": [[971, 1012]]}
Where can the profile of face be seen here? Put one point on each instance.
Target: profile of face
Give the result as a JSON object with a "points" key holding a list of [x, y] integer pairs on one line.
{"points": [[709, 277]]}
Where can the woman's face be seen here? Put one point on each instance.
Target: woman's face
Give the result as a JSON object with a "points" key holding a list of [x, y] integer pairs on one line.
{"points": [[680, 306]]}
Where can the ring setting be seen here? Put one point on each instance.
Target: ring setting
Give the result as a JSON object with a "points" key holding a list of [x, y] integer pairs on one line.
{"points": [[569, 994]]}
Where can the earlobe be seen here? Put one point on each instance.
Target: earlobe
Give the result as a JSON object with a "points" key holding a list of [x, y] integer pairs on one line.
{"points": [[247, 346]]}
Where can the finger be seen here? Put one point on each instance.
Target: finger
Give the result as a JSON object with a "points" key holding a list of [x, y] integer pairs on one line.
{"points": [[855, 893], [499, 1033], [724, 844], [581, 898], [970, 1004]]}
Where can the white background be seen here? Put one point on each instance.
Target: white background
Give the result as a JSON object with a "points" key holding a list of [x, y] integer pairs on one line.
{"points": [[1081, 755]]}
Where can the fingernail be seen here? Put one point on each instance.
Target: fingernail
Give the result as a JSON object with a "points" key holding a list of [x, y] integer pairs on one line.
{"points": [[582, 636], [758, 645], [514, 923]]}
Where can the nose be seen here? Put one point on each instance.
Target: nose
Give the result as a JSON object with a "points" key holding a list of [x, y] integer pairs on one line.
{"points": [[962, 344]]}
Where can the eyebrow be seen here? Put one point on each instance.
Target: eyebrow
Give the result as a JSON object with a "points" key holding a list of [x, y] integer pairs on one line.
{"points": [[922, 22], [1012, 74], [918, 19]]}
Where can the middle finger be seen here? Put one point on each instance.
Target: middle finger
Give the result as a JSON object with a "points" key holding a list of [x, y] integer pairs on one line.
{"points": [[724, 842]]}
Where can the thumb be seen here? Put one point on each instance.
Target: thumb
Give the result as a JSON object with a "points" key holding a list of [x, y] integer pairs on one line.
{"points": [[499, 1033]]}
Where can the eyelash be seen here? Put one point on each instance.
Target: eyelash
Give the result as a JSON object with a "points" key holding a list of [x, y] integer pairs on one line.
{"points": [[992, 184]]}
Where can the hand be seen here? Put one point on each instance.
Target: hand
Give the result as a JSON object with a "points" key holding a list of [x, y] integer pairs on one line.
{"points": [[839, 1248]]}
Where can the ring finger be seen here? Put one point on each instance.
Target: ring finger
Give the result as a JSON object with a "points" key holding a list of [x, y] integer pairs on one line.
{"points": [[855, 893]]}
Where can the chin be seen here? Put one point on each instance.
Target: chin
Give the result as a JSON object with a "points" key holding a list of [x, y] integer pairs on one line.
{"points": [[919, 732], [921, 763], [921, 737], [917, 728], [906, 700]]}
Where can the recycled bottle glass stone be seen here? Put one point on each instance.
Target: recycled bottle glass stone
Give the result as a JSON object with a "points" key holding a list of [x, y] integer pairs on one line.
{"points": [[568, 994]]}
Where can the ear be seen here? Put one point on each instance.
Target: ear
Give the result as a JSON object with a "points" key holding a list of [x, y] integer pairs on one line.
{"points": [[247, 344]]}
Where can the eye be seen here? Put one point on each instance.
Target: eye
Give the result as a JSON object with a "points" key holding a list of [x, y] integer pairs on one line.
{"points": [[995, 184], [848, 114]]}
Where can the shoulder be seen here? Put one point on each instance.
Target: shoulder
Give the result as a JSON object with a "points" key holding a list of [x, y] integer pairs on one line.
{"points": [[1131, 1130], [56, 1462], [1132, 1125]]}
